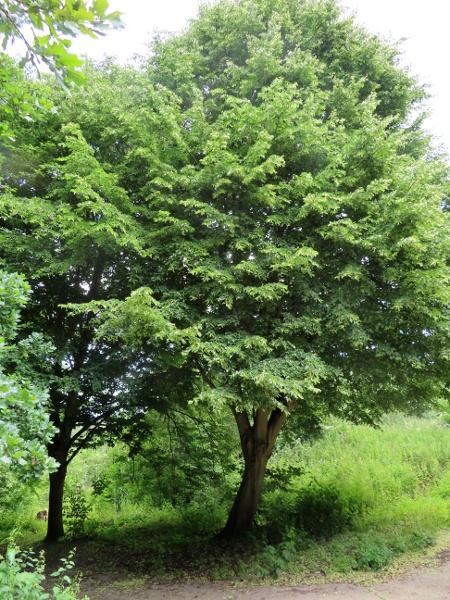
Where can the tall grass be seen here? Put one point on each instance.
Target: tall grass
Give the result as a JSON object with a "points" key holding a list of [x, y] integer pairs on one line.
{"points": [[365, 496]]}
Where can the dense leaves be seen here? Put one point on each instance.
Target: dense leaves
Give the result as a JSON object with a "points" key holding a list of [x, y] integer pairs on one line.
{"points": [[252, 220], [24, 423]]}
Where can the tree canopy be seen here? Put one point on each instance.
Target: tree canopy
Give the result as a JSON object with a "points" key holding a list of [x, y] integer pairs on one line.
{"points": [[251, 220], [298, 224]]}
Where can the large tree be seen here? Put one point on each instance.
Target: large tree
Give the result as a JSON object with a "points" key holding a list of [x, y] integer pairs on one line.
{"points": [[297, 223]]}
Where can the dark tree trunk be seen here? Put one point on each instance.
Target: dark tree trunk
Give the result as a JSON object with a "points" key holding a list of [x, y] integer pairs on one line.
{"points": [[59, 450], [55, 528], [244, 508], [257, 443]]}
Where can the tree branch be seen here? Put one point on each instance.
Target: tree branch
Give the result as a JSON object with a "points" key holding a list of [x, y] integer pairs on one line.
{"points": [[277, 420], [242, 421], [203, 373], [93, 423]]}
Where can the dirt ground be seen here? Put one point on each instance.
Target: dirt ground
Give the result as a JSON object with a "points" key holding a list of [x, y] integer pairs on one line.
{"points": [[432, 583]]}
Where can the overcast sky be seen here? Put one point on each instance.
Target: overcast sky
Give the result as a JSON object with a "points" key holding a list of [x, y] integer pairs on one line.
{"points": [[425, 24]]}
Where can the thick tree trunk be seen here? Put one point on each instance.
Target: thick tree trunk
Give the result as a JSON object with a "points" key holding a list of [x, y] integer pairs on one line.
{"points": [[257, 443], [55, 528], [244, 508]]}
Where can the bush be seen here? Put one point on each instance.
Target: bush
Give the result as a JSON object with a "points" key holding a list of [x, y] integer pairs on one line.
{"points": [[22, 577], [277, 559], [374, 554], [322, 510], [76, 511]]}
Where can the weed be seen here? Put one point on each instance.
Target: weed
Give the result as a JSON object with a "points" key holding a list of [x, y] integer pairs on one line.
{"points": [[76, 511], [22, 577], [277, 559]]}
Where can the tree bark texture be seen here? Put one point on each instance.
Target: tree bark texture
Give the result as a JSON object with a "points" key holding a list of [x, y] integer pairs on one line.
{"points": [[55, 527], [257, 443], [59, 450]]}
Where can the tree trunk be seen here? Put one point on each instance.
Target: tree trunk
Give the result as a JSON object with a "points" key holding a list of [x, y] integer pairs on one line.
{"points": [[59, 450], [244, 508], [257, 443], [55, 528]]}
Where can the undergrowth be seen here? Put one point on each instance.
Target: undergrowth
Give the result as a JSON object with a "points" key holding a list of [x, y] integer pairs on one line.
{"points": [[357, 499]]}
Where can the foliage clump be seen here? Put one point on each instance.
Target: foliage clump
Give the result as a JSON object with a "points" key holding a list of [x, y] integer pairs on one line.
{"points": [[22, 577]]}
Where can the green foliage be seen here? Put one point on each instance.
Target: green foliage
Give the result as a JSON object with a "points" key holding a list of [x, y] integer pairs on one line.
{"points": [[296, 217], [46, 27], [320, 509], [70, 225], [22, 577], [249, 221], [276, 560], [181, 462], [140, 523], [25, 428], [361, 478], [374, 554], [76, 511], [300, 249]]}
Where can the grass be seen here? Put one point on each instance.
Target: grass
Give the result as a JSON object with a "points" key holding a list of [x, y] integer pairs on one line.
{"points": [[366, 501]]}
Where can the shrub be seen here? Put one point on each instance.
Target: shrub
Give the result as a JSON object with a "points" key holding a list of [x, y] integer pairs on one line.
{"points": [[76, 510], [277, 559], [373, 554], [322, 510], [22, 577]]}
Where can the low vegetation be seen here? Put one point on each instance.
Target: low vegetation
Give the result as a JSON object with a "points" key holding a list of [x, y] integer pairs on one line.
{"points": [[355, 499]]}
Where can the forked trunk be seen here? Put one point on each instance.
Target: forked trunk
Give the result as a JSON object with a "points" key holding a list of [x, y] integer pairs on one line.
{"points": [[244, 508], [257, 443]]}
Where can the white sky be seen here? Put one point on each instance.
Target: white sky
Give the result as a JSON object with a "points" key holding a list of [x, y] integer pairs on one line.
{"points": [[425, 24]]}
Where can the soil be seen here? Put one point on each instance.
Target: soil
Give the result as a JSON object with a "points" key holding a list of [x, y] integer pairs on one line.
{"points": [[430, 583]]}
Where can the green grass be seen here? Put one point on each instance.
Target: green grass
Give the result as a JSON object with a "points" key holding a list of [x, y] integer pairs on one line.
{"points": [[367, 500]]}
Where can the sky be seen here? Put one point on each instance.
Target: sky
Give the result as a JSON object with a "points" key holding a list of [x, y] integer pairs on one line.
{"points": [[425, 25]]}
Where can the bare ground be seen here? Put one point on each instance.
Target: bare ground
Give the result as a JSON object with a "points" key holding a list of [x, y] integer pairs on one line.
{"points": [[430, 583]]}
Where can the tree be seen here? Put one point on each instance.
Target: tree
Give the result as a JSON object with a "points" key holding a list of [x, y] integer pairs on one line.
{"points": [[74, 221], [297, 223]]}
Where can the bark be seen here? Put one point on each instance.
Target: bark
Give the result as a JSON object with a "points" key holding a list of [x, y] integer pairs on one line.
{"points": [[257, 443], [59, 450], [55, 527], [243, 511]]}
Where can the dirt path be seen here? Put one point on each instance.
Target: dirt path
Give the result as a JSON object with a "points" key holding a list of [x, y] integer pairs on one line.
{"points": [[428, 584]]}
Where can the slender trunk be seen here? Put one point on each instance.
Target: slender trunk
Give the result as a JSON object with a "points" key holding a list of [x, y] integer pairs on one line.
{"points": [[257, 443], [55, 528], [59, 450]]}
